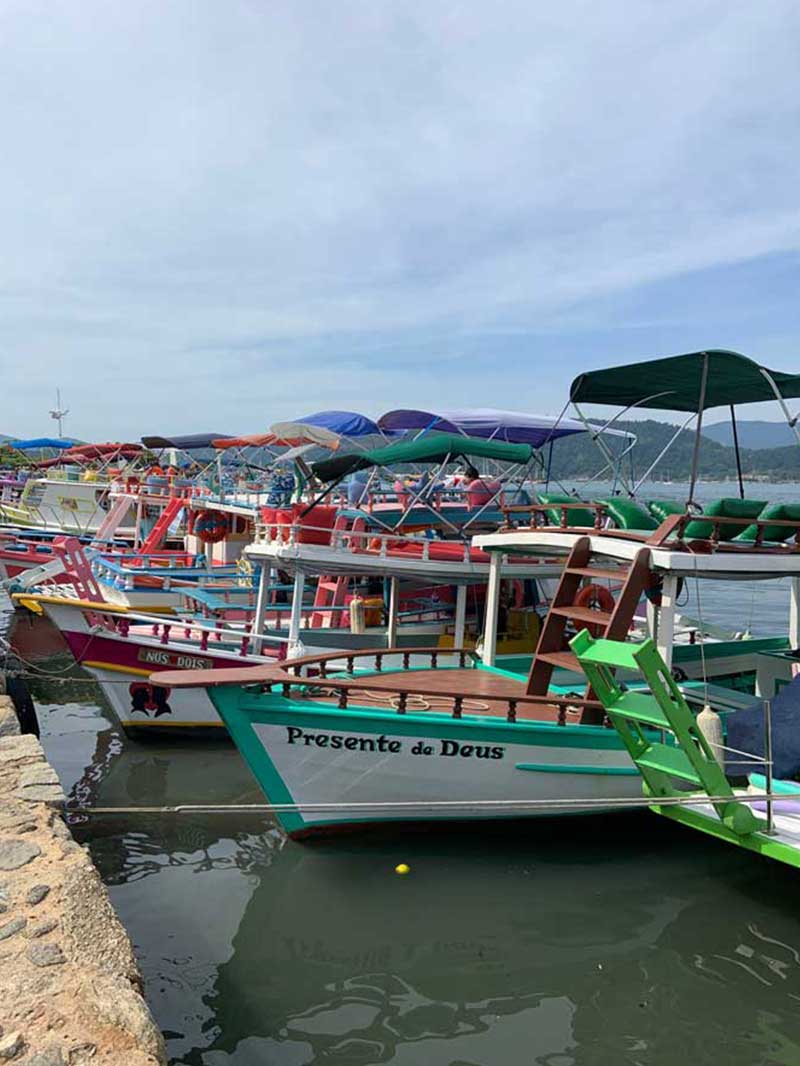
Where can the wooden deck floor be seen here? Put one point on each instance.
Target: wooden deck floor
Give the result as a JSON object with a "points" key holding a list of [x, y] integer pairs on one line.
{"points": [[482, 692]]}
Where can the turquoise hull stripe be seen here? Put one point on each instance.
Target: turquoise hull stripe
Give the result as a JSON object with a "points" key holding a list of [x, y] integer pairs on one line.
{"points": [[555, 768]]}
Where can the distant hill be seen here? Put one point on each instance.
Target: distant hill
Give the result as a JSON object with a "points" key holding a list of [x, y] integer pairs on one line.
{"points": [[751, 434], [578, 456]]}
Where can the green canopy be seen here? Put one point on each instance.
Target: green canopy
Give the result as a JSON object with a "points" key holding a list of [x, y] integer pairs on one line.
{"points": [[675, 383], [430, 448]]}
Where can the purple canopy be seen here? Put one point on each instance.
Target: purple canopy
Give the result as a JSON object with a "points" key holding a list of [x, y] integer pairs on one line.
{"points": [[486, 422]]}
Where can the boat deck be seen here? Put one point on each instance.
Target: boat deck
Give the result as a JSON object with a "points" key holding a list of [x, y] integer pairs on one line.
{"points": [[481, 693]]}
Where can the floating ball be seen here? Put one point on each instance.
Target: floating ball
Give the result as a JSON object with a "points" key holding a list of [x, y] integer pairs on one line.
{"points": [[402, 868]]}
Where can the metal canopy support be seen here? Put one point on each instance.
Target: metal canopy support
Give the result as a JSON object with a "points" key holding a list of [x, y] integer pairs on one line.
{"points": [[700, 407], [736, 450], [492, 607], [461, 616], [391, 628], [790, 418], [666, 618]]}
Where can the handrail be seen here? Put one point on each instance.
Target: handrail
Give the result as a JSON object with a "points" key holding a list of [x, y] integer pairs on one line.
{"points": [[281, 675]]}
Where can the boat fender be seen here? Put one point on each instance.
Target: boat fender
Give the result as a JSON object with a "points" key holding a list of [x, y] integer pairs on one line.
{"points": [[596, 598], [710, 725], [357, 619]]}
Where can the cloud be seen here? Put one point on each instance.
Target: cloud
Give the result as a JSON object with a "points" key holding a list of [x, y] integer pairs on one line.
{"points": [[226, 214]]}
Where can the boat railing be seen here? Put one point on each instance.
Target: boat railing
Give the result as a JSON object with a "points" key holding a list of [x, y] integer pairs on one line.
{"points": [[321, 673], [370, 541], [671, 532]]}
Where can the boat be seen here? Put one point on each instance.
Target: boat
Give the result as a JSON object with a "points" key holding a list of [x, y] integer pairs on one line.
{"points": [[347, 741]]}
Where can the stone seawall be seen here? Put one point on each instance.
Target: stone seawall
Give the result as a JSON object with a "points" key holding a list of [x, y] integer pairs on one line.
{"points": [[70, 989]]}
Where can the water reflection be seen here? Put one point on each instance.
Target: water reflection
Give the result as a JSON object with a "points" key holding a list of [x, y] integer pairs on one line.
{"points": [[590, 941]]}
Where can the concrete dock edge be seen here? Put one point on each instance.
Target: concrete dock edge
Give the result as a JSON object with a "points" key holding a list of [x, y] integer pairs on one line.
{"points": [[70, 987]]}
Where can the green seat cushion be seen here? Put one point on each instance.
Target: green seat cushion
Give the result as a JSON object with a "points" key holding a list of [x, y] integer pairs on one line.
{"points": [[661, 509], [629, 514], [782, 512], [576, 516], [724, 508]]}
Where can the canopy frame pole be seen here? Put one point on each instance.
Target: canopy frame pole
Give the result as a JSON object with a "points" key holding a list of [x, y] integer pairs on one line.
{"points": [[737, 452], [662, 453], [699, 429], [594, 433], [549, 465], [418, 498], [491, 610], [791, 419]]}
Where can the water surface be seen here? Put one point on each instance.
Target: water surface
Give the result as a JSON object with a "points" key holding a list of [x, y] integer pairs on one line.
{"points": [[622, 939]]}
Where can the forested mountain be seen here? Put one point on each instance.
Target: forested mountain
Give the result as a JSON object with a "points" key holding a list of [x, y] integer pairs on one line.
{"points": [[752, 434], [578, 456]]}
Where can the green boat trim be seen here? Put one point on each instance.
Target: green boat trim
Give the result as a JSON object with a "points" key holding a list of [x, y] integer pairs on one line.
{"points": [[566, 768]]}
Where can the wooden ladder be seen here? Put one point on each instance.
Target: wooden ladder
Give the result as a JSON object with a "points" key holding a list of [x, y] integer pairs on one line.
{"points": [[581, 565], [331, 593], [158, 534]]}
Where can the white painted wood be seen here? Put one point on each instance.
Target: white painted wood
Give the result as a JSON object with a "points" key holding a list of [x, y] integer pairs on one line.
{"points": [[794, 613], [666, 619], [492, 605], [261, 608], [297, 607], [391, 630], [461, 616]]}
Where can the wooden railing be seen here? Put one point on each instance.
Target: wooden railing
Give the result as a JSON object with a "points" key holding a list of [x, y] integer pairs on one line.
{"points": [[379, 654], [673, 528]]}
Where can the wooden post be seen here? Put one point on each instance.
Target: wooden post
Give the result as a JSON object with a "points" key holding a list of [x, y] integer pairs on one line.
{"points": [[297, 606], [492, 606], [461, 616], [794, 613], [391, 628], [666, 618], [652, 620], [261, 607]]}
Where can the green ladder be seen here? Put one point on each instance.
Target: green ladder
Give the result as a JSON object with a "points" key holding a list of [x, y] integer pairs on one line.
{"points": [[636, 715]]}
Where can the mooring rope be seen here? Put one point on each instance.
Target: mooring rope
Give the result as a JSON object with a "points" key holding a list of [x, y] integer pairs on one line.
{"points": [[599, 803]]}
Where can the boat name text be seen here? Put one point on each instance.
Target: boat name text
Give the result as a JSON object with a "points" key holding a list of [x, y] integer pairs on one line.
{"points": [[295, 735]]}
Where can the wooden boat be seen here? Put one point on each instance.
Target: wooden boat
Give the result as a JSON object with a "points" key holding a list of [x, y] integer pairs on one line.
{"points": [[334, 746]]}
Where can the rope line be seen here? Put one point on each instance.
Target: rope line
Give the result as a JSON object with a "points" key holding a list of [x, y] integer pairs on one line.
{"points": [[600, 803]]}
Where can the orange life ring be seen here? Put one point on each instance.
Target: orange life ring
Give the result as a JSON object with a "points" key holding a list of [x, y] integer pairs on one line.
{"points": [[596, 598], [211, 526]]}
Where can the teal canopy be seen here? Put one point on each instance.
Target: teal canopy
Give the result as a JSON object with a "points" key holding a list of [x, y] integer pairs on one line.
{"points": [[675, 383], [432, 448]]}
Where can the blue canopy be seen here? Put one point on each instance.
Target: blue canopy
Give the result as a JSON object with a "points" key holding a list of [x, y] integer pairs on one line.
{"points": [[39, 442], [345, 423]]}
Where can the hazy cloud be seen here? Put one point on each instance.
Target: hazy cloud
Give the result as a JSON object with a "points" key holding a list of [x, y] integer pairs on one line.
{"points": [[216, 215]]}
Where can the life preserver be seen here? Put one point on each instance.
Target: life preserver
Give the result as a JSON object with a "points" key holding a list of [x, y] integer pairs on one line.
{"points": [[210, 527], [655, 591], [596, 598]]}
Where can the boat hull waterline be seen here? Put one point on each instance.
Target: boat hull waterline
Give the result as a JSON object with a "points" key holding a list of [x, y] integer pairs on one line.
{"points": [[327, 769]]}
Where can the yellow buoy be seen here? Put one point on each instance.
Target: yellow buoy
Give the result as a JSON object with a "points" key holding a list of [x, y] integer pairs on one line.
{"points": [[402, 868]]}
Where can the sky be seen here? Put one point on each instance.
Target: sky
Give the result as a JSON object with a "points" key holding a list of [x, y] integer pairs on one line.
{"points": [[214, 216]]}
